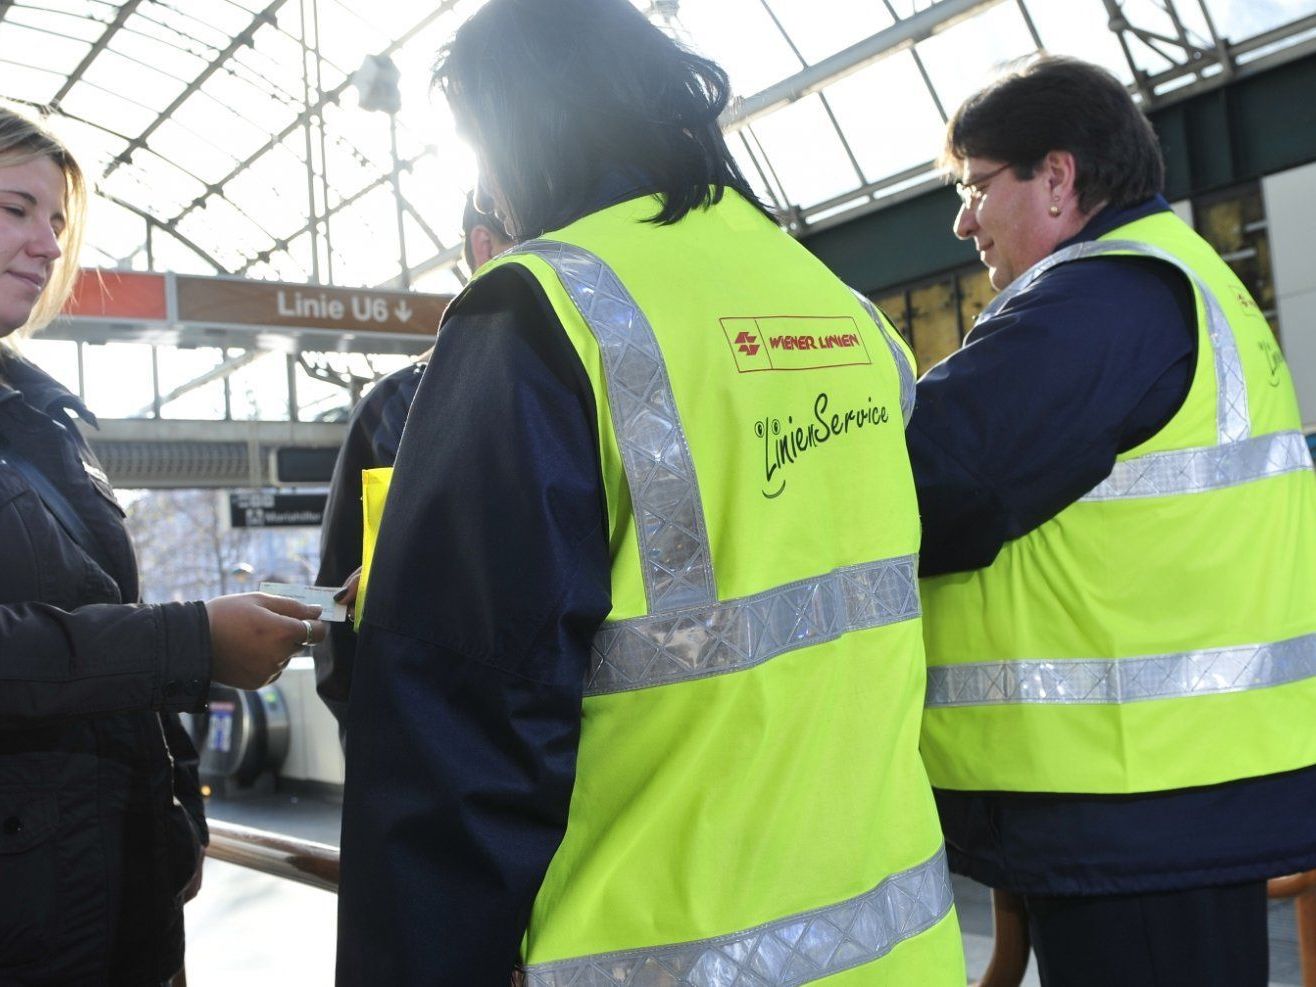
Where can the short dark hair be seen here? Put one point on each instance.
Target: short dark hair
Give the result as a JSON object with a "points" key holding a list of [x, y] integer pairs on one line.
{"points": [[1062, 104], [560, 96], [473, 216]]}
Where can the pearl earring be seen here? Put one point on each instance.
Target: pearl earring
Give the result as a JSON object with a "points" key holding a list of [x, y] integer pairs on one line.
{"points": [[1055, 209]]}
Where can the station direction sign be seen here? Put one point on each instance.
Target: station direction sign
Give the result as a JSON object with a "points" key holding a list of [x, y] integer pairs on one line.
{"points": [[110, 305], [266, 509], [239, 302]]}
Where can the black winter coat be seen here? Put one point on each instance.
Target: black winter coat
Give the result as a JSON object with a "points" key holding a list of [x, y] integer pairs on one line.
{"points": [[100, 811]]}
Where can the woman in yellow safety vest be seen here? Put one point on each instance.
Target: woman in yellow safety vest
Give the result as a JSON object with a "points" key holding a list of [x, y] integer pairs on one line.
{"points": [[1120, 557], [640, 672]]}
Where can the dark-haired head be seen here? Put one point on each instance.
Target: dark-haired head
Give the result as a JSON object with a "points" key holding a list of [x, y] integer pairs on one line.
{"points": [[560, 99], [1061, 104]]}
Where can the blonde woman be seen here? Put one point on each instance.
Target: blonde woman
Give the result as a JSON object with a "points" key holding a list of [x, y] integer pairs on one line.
{"points": [[101, 821]]}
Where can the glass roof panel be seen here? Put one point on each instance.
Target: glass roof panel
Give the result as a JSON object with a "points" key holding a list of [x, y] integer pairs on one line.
{"points": [[443, 282], [365, 238], [806, 152], [1239, 19], [888, 116], [230, 167], [144, 39], [754, 168], [123, 113], [201, 153], [821, 28], [30, 83], [63, 26], [961, 59], [1082, 30], [57, 52], [120, 233], [740, 36]]}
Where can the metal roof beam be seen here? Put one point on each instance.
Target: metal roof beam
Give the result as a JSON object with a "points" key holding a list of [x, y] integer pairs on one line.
{"points": [[1244, 70], [439, 262], [240, 41], [167, 227], [899, 36], [217, 372], [922, 69], [330, 96], [827, 107], [1118, 24], [337, 207], [111, 29], [1221, 46]]}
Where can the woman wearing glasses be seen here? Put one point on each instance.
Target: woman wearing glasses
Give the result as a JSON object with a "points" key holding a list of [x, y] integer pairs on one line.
{"points": [[1119, 552]]}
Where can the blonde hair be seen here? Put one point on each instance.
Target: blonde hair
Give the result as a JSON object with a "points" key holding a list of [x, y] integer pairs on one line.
{"points": [[23, 138]]}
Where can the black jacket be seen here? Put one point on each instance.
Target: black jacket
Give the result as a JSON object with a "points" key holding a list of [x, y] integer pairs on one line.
{"points": [[100, 811], [373, 434]]}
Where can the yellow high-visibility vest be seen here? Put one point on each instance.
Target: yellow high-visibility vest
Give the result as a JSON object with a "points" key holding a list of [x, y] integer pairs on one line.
{"points": [[1160, 632], [749, 794]]}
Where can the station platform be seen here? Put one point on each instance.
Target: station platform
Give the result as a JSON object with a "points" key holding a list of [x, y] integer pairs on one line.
{"points": [[261, 931]]}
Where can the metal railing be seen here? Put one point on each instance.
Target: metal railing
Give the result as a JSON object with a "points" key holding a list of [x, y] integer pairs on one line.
{"points": [[276, 854], [304, 861]]}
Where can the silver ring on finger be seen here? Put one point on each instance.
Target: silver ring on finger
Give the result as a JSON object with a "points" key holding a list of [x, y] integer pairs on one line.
{"points": [[310, 630]]}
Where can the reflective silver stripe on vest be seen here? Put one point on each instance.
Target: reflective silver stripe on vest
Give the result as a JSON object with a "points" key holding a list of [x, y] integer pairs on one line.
{"points": [[737, 634], [1187, 471], [902, 363], [798, 949], [1232, 420], [669, 516], [1124, 680]]}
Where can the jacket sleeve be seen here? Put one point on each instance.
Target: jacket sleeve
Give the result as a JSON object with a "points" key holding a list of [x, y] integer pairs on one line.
{"points": [[1031, 413], [102, 658], [490, 578]]}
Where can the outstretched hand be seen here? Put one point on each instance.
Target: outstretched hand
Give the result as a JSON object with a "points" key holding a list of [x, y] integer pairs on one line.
{"points": [[253, 635]]}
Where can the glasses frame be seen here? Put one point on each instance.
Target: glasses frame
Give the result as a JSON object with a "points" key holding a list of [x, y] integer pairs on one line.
{"points": [[971, 193]]}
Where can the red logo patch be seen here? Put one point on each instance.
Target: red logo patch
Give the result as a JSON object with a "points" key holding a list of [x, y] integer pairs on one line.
{"points": [[747, 344], [793, 342]]}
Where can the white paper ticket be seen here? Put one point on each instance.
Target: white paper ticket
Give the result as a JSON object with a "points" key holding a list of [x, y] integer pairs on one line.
{"points": [[316, 596]]}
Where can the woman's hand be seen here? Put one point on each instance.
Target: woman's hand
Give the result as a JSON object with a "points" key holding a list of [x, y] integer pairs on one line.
{"points": [[253, 635], [347, 595]]}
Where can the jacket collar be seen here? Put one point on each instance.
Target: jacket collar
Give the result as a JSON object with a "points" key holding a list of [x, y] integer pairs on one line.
{"points": [[41, 391], [1111, 218], [612, 188]]}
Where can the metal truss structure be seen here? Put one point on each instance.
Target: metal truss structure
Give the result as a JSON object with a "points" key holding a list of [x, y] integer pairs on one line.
{"points": [[191, 63]]}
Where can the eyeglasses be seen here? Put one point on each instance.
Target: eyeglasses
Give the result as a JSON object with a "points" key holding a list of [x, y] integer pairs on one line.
{"points": [[971, 193]]}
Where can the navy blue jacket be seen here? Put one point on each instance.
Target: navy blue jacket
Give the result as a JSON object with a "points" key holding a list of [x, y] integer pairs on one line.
{"points": [[1092, 360], [490, 577]]}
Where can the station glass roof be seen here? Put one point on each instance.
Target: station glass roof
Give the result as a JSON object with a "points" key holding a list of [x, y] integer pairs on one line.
{"points": [[227, 136]]}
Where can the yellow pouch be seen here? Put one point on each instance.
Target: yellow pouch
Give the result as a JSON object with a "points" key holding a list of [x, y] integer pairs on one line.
{"points": [[374, 492]]}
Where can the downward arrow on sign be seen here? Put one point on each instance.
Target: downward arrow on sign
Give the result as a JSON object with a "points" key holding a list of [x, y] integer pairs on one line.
{"points": [[403, 311]]}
